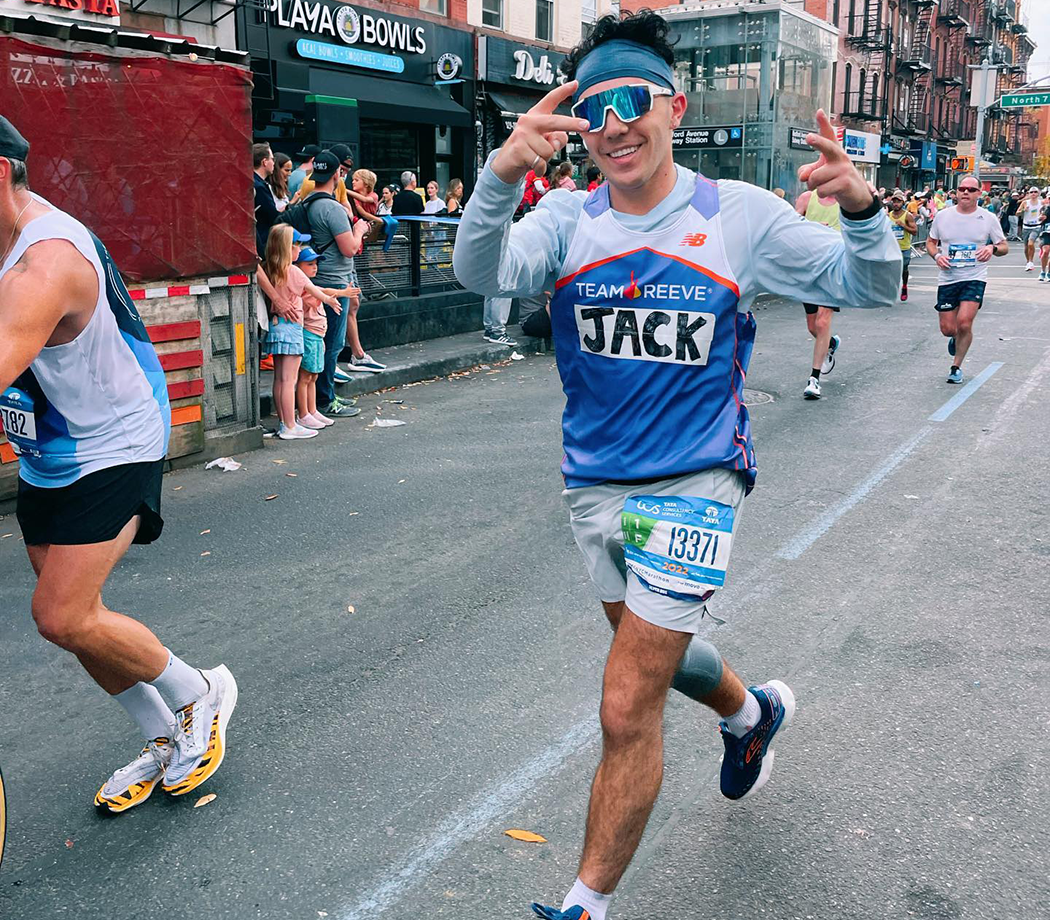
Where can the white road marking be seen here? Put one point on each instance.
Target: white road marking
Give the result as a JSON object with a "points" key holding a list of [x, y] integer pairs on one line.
{"points": [[965, 393], [797, 546], [462, 826], [1012, 404]]}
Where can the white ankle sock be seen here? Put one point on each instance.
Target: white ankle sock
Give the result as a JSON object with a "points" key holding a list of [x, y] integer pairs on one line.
{"points": [[148, 711], [594, 902], [180, 684], [746, 717]]}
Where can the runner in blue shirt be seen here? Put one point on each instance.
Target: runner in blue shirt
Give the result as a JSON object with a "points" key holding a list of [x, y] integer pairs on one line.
{"points": [[653, 274]]}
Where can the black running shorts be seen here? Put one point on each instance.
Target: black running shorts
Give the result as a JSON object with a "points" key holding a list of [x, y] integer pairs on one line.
{"points": [[812, 308], [95, 508]]}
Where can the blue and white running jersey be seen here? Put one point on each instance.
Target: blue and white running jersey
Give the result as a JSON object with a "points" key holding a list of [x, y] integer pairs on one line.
{"points": [[100, 400], [651, 348]]}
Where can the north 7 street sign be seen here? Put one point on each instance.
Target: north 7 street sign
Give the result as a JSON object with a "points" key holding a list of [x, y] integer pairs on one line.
{"points": [[1021, 100]]}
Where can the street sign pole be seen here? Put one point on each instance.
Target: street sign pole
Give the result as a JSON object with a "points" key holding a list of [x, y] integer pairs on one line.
{"points": [[979, 142]]}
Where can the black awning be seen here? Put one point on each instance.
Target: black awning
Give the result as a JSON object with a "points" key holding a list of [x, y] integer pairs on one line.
{"points": [[512, 105], [393, 100]]}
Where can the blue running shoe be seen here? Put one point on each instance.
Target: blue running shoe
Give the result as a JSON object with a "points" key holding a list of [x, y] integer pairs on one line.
{"points": [[955, 375], [573, 913], [748, 761], [951, 346]]}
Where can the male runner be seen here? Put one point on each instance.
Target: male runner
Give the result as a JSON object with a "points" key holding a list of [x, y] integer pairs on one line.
{"points": [[962, 239], [1044, 240], [653, 276], [824, 211], [904, 225], [1031, 225], [88, 414]]}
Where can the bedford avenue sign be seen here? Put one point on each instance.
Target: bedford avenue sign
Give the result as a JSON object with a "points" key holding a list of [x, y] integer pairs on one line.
{"points": [[345, 23]]}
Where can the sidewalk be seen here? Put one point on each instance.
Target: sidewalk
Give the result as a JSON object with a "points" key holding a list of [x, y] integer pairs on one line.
{"points": [[413, 362]]}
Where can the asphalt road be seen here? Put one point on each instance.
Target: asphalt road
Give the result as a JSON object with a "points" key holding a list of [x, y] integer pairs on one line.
{"points": [[893, 569]]}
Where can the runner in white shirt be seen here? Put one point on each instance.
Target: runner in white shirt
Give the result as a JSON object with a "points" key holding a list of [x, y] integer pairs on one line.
{"points": [[1031, 224], [85, 404], [962, 239]]}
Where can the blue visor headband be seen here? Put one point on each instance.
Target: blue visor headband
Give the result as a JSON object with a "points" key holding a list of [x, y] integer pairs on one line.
{"points": [[618, 58]]}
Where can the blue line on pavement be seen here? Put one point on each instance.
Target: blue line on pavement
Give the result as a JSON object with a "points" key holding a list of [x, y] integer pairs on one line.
{"points": [[796, 547], [965, 393]]}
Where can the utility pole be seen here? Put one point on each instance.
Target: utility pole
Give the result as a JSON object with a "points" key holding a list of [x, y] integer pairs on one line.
{"points": [[982, 89]]}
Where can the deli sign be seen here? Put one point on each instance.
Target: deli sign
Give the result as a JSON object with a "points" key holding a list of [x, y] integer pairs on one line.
{"points": [[530, 67]]}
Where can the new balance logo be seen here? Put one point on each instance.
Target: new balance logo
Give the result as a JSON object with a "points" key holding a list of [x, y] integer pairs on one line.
{"points": [[693, 239]]}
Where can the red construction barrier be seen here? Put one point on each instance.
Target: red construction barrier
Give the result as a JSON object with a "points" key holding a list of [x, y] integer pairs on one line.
{"points": [[152, 153]]}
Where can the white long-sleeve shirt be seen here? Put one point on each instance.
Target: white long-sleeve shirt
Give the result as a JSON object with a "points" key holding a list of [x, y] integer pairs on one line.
{"points": [[770, 248]]}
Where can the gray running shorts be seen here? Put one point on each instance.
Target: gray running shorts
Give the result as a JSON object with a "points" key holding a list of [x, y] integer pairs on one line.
{"points": [[595, 514]]}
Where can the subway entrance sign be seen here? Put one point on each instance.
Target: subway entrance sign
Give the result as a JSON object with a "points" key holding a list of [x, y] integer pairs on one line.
{"points": [[1022, 100]]}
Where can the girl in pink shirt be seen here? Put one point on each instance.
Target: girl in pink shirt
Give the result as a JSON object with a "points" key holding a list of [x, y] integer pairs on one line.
{"points": [[284, 340]]}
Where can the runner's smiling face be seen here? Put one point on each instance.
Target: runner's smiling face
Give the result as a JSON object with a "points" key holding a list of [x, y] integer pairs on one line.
{"points": [[630, 154]]}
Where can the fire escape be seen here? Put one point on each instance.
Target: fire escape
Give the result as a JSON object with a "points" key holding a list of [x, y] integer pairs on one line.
{"points": [[873, 40], [917, 60], [951, 72]]}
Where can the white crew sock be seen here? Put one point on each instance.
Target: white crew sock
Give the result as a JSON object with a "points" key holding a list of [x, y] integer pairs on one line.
{"points": [[148, 711], [746, 717], [594, 902], [178, 683]]}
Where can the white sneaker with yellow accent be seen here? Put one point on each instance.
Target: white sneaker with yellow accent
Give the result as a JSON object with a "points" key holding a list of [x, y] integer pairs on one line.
{"points": [[200, 734], [131, 785]]}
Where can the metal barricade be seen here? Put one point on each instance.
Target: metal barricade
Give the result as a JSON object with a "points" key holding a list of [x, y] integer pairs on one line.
{"points": [[417, 261]]}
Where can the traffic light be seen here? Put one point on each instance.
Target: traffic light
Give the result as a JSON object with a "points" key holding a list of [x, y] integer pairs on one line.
{"points": [[961, 164]]}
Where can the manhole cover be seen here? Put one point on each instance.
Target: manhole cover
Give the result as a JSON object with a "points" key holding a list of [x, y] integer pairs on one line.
{"points": [[756, 397]]}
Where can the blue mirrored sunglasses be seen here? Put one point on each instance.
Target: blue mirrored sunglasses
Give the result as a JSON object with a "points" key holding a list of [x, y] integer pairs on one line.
{"points": [[629, 102]]}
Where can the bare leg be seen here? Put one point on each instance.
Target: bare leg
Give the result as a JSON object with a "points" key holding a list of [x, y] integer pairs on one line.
{"points": [[1044, 257], [965, 316], [311, 394], [820, 328], [285, 369], [638, 674], [352, 338], [303, 386], [115, 650], [949, 325], [727, 697], [1029, 250]]}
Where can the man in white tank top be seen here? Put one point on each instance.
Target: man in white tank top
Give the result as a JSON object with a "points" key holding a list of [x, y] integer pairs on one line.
{"points": [[84, 403]]}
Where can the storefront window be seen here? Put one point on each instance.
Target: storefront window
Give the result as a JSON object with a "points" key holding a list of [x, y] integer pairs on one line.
{"points": [[434, 6], [388, 149], [544, 20], [492, 13]]}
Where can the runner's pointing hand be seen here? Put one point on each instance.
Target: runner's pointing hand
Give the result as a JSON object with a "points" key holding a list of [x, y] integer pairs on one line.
{"points": [[538, 136], [834, 175]]}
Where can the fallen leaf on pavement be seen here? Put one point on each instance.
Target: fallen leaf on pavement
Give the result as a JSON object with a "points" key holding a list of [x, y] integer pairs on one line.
{"points": [[69, 844], [279, 462], [6, 535], [352, 513], [350, 608], [205, 799], [206, 553], [203, 532], [291, 475], [270, 498], [527, 836], [176, 489], [401, 481]]}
